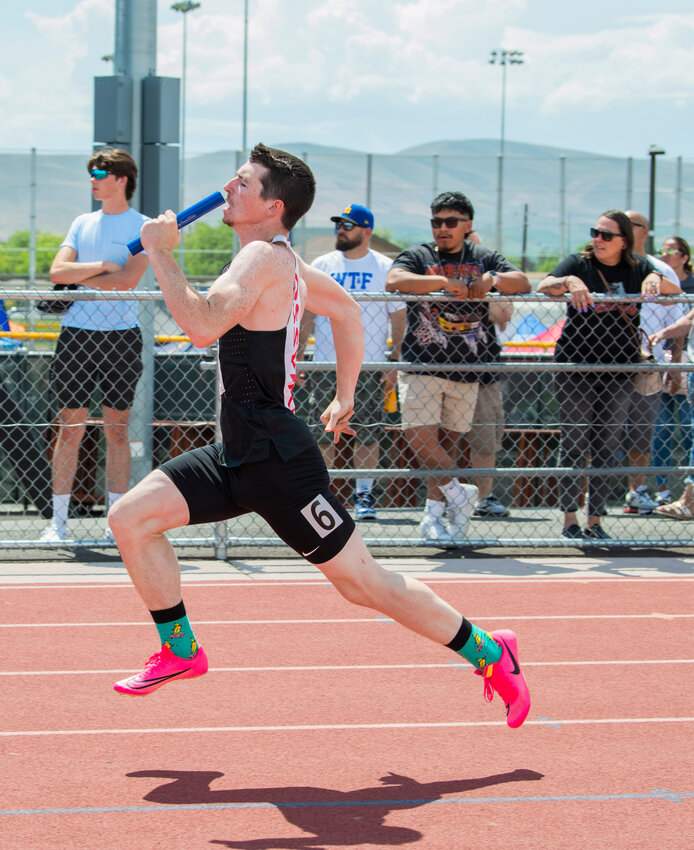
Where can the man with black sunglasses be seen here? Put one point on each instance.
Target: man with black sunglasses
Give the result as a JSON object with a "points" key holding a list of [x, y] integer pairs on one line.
{"points": [[100, 342], [438, 406]]}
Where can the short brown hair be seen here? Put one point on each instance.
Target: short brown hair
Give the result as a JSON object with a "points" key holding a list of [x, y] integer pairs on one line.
{"points": [[117, 162], [289, 180]]}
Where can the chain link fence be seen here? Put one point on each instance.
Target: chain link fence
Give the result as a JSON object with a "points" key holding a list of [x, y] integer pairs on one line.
{"points": [[176, 405]]}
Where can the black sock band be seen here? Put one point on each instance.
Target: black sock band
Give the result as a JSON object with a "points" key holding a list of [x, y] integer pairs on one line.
{"points": [[167, 615], [462, 637]]}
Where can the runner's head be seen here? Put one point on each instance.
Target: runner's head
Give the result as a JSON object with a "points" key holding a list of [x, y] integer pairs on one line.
{"points": [[287, 179]]}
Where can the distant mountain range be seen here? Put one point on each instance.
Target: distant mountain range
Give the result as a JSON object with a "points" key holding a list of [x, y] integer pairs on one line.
{"points": [[402, 186]]}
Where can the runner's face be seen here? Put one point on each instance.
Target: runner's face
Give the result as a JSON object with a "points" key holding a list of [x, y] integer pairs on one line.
{"points": [[244, 204], [450, 239]]}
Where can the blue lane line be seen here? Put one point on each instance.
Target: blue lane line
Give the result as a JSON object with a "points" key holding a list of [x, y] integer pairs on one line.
{"points": [[655, 794]]}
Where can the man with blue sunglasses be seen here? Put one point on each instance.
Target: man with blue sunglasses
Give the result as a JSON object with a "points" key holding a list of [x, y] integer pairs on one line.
{"points": [[100, 343]]}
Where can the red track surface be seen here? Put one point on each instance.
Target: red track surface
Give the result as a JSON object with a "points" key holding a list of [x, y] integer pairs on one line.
{"points": [[376, 738]]}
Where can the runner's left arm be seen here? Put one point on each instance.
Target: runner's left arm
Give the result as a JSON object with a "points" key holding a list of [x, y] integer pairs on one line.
{"points": [[325, 297]]}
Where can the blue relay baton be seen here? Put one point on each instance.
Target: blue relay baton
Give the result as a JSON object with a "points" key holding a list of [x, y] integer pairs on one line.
{"points": [[211, 202]]}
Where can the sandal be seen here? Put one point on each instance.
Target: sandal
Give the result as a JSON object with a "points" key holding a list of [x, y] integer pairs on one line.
{"points": [[675, 510]]}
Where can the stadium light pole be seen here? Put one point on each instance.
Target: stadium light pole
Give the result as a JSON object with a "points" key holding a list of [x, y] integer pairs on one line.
{"points": [[653, 152], [184, 8], [503, 58], [245, 76]]}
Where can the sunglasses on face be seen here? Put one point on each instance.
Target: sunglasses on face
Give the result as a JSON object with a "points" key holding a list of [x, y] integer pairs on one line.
{"points": [[605, 235], [451, 223], [99, 173], [668, 252], [345, 225]]}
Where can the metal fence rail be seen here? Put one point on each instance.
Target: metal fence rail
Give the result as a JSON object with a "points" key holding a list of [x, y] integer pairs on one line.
{"points": [[180, 390]]}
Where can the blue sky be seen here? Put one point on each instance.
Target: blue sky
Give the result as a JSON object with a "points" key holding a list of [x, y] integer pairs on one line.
{"points": [[380, 76]]}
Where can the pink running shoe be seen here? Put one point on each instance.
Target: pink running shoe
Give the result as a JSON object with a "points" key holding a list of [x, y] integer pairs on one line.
{"points": [[506, 679], [161, 668]]}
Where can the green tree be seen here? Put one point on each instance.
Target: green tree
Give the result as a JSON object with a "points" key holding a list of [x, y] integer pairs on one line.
{"points": [[386, 234], [208, 249], [14, 254]]}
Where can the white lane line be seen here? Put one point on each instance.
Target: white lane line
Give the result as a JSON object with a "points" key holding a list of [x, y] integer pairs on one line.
{"points": [[476, 617], [329, 727], [453, 664], [203, 623], [244, 581]]}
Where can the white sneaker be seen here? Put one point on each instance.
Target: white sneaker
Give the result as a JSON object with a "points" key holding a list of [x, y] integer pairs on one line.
{"points": [[434, 533], [51, 534], [639, 502], [459, 515]]}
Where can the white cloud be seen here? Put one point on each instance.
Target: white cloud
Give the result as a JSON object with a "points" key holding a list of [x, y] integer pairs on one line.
{"points": [[645, 58], [377, 76]]}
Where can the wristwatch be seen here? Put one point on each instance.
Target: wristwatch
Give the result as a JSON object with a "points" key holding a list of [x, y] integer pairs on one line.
{"points": [[495, 277]]}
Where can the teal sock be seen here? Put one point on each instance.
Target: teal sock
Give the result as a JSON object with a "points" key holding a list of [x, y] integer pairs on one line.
{"points": [[175, 631], [475, 645]]}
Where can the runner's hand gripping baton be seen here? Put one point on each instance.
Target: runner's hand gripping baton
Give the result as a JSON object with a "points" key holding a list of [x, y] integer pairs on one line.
{"points": [[216, 199]]}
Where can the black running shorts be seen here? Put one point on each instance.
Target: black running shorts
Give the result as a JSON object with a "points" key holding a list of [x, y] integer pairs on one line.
{"points": [[292, 496]]}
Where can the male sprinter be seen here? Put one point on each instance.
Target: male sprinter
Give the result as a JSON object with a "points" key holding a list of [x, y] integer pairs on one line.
{"points": [[268, 462]]}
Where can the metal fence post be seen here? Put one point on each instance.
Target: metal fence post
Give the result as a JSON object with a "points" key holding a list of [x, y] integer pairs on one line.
{"points": [[678, 196], [32, 218], [562, 205], [142, 415], [304, 156], [499, 201], [220, 528]]}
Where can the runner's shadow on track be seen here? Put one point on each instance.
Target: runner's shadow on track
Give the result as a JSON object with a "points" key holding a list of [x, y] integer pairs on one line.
{"points": [[342, 818]]}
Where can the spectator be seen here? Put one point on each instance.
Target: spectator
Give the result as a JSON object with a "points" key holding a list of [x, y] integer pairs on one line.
{"points": [[437, 406], [675, 407], [593, 405], [357, 268], [100, 342], [643, 409]]}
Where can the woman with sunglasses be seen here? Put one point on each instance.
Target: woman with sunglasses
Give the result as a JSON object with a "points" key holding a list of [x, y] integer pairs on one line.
{"points": [[676, 397], [593, 405]]}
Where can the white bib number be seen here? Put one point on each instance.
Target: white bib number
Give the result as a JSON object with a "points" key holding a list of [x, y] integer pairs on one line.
{"points": [[321, 516]]}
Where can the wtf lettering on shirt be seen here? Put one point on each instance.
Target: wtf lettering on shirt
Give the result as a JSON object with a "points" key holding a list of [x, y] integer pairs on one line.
{"points": [[353, 280]]}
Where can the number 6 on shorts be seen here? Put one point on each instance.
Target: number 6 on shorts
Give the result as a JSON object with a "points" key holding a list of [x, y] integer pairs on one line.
{"points": [[321, 516]]}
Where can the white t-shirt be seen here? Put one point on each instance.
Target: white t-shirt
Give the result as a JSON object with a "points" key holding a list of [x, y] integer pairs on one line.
{"points": [[367, 274], [655, 317], [95, 236]]}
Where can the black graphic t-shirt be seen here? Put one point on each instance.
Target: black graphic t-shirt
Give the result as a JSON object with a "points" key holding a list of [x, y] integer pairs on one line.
{"points": [[455, 331], [606, 333]]}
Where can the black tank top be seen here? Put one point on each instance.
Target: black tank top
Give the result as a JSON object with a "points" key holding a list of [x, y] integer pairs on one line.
{"points": [[258, 370]]}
